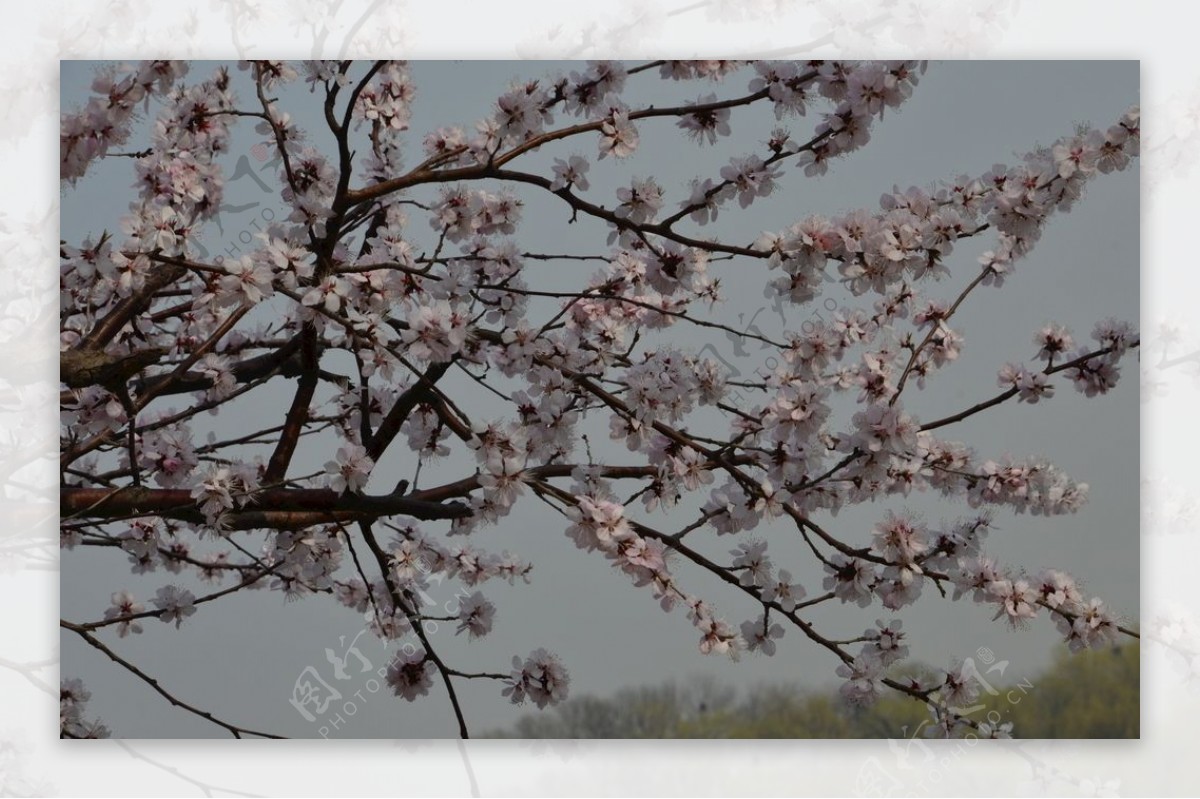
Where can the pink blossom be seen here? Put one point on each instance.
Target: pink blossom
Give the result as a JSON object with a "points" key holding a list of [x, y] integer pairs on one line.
{"points": [[245, 281], [350, 470], [475, 616], [410, 674], [618, 137], [862, 679], [759, 637], [541, 678], [175, 603], [570, 174], [123, 604]]}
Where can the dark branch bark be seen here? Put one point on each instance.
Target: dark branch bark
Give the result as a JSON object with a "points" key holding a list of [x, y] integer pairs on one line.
{"points": [[126, 309], [409, 400], [273, 507], [286, 359], [298, 413]]}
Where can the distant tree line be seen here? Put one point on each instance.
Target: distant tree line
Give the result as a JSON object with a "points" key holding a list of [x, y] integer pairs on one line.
{"points": [[1091, 695]]}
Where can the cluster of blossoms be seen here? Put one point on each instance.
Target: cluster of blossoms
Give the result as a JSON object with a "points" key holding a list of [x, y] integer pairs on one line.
{"points": [[418, 562], [1084, 623], [94, 411], [123, 605], [1094, 374], [149, 544], [864, 674], [303, 563], [904, 553], [417, 558], [402, 307], [1098, 375], [168, 455], [72, 703], [175, 603], [222, 488], [435, 332], [309, 181], [87, 135], [475, 616], [540, 678], [179, 181], [350, 470], [1037, 487], [461, 214], [600, 524], [247, 281], [410, 674], [387, 101], [1031, 386], [717, 636]]}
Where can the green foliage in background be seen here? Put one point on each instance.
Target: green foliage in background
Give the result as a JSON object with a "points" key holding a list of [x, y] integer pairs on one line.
{"points": [[1090, 695]]}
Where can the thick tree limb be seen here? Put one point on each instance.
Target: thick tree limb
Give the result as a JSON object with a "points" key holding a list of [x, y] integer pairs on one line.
{"points": [[271, 508], [107, 328], [298, 413], [404, 406], [83, 367], [286, 359]]}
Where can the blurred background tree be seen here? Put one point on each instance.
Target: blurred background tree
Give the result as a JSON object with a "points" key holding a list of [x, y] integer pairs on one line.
{"points": [[1089, 695]]}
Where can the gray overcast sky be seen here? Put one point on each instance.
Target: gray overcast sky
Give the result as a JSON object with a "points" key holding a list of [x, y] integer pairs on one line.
{"points": [[240, 657]]}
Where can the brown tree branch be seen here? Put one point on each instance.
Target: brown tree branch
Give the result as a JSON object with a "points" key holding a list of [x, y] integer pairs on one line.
{"points": [[95, 642], [410, 399], [107, 328], [271, 508]]}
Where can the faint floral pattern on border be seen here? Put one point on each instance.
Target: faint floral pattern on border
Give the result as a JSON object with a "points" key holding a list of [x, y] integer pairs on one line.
{"points": [[101, 30]]}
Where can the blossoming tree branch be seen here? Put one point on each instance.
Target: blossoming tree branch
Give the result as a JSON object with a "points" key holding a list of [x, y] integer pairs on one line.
{"points": [[415, 275]]}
